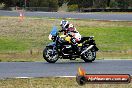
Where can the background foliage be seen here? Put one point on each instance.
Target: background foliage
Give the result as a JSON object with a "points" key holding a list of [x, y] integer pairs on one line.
{"points": [[77, 3]]}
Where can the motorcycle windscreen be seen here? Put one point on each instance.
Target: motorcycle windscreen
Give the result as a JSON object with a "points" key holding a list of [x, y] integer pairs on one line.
{"points": [[54, 31]]}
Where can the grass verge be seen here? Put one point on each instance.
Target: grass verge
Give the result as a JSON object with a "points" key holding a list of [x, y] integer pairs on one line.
{"points": [[54, 83]]}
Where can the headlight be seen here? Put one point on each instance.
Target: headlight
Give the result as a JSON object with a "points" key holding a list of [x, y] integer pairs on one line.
{"points": [[50, 37]]}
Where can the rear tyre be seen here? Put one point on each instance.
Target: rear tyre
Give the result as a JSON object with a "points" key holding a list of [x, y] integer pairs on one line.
{"points": [[49, 55], [89, 56]]}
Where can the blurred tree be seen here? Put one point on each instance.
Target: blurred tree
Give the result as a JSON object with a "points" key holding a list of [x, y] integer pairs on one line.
{"points": [[113, 4], [99, 3], [122, 4], [108, 3], [79, 3], [53, 3], [130, 3], [60, 2], [84, 3]]}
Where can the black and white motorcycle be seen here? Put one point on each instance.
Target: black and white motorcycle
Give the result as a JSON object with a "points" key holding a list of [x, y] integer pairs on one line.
{"points": [[60, 48]]}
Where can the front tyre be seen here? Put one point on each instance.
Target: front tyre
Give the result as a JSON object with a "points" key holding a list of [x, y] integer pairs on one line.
{"points": [[50, 55], [89, 56]]}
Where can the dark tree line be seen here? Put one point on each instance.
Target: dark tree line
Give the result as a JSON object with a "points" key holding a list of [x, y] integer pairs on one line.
{"points": [[79, 3], [100, 3], [30, 3]]}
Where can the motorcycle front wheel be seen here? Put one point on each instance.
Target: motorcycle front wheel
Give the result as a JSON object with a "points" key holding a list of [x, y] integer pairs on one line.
{"points": [[50, 55]]}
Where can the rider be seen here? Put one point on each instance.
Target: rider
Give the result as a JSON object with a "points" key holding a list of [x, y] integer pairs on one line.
{"points": [[70, 30]]}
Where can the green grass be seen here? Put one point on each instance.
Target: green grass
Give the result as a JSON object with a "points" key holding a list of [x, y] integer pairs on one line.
{"points": [[28, 38], [110, 38], [54, 83], [8, 44]]}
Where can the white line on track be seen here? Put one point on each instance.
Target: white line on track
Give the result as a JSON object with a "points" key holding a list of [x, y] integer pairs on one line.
{"points": [[24, 77], [66, 76], [45, 77], [116, 59]]}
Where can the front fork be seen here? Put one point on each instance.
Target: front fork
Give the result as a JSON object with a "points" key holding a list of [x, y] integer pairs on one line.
{"points": [[54, 49]]}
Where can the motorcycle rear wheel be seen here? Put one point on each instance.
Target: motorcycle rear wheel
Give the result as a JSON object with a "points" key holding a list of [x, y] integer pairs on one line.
{"points": [[48, 56], [89, 56]]}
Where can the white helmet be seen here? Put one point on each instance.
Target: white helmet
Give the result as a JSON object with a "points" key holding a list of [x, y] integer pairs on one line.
{"points": [[71, 26], [64, 23]]}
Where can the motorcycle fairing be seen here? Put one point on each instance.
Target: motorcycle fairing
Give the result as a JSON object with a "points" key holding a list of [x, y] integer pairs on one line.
{"points": [[54, 31]]}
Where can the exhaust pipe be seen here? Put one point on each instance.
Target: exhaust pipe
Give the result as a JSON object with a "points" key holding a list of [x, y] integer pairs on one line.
{"points": [[90, 47]]}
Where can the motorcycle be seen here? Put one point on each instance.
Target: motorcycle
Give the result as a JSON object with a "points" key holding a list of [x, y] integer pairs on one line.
{"points": [[62, 48]]}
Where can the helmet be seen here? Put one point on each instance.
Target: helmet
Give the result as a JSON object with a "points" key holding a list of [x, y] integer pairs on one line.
{"points": [[64, 24], [71, 26]]}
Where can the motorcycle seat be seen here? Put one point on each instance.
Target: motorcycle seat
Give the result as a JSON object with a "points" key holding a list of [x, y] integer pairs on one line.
{"points": [[85, 38]]}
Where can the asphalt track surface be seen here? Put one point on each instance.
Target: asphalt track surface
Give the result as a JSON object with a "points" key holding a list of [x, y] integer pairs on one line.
{"points": [[92, 16], [43, 69]]}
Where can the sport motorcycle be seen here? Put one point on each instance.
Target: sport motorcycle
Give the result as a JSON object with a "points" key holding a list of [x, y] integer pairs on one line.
{"points": [[62, 48]]}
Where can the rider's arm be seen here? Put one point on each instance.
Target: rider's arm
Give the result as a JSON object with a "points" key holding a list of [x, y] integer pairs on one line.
{"points": [[62, 30]]}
